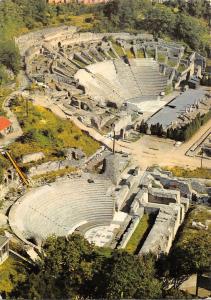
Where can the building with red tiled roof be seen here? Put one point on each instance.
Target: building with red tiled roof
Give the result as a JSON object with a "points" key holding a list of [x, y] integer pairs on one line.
{"points": [[5, 126]]}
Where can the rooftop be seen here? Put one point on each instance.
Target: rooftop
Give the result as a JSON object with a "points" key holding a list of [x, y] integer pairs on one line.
{"points": [[4, 123], [172, 110]]}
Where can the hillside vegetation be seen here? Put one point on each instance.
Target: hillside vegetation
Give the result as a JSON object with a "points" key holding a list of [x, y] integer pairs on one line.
{"points": [[44, 131], [188, 173], [186, 23], [176, 21]]}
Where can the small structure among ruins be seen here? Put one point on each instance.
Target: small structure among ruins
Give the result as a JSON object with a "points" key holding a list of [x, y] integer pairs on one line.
{"points": [[181, 110], [5, 126]]}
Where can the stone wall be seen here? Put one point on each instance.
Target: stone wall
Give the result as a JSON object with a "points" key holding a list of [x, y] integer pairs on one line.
{"points": [[130, 230], [162, 196]]}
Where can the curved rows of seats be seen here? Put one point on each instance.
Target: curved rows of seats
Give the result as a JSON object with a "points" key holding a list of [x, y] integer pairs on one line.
{"points": [[119, 81], [139, 77], [62, 207]]}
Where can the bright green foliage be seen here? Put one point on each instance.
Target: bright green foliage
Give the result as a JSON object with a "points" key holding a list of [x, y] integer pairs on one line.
{"points": [[3, 75], [181, 68], [9, 55], [44, 131], [196, 8], [161, 57], [140, 53], [191, 252], [3, 165], [168, 89], [138, 234], [188, 173], [129, 276], [118, 49], [66, 265], [160, 20], [121, 14], [190, 257], [176, 21], [11, 274]]}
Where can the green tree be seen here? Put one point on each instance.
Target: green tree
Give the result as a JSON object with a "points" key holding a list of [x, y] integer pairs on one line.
{"points": [[190, 257], [73, 268], [64, 268], [143, 127], [3, 75], [9, 55], [121, 13], [129, 276], [160, 20]]}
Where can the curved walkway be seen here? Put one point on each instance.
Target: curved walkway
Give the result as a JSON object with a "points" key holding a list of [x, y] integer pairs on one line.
{"points": [[17, 131], [148, 150], [63, 113]]}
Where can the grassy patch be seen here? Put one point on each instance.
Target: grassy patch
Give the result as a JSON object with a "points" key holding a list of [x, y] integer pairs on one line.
{"points": [[208, 62], [140, 53], [204, 173], [181, 68], [129, 53], [138, 234], [44, 131], [10, 275], [172, 63], [188, 232], [4, 93], [83, 21], [110, 52], [50, 176], [186, 55], [104, 251], [161, 57], [151, 53], [118, 49], [168, 89]]}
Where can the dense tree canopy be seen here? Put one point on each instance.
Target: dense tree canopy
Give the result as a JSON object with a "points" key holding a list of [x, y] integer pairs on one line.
{"points": [[9, 55], [72, 267], [190, 257], [196, 8]]}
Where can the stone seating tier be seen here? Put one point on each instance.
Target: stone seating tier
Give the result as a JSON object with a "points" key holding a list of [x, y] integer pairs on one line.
{"points": [[59, 208]]}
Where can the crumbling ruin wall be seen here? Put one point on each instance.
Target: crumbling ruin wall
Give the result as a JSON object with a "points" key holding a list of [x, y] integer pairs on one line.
{"points": [[164, 229], [162, 196]]}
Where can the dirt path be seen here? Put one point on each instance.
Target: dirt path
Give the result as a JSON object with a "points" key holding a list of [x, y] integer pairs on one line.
{"points": [[17, 131], [61, 112], [148, 150], [151, 150]]}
